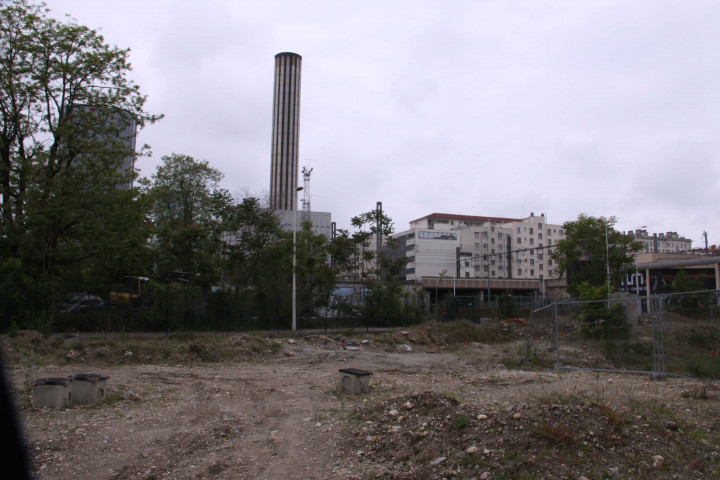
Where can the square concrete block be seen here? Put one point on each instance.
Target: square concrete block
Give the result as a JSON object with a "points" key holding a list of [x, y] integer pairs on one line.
{"points": [[88, 388], [353, 380], [52, 393]]}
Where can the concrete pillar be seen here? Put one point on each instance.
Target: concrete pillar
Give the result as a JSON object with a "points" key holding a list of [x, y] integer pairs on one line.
{"points": [[52, 393]]}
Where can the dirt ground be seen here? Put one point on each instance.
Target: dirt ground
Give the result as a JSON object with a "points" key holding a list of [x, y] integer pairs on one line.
{"points": [[253, 407]]}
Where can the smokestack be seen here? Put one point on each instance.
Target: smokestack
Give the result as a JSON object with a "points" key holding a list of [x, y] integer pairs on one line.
{"points": [[286, 131]]}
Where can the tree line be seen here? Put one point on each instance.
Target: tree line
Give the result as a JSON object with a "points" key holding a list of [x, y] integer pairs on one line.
{"points": [[68, 216]]}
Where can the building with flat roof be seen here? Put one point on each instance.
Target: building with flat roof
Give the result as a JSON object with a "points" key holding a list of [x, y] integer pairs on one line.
{"points": [[468, 246], [669, 242]]}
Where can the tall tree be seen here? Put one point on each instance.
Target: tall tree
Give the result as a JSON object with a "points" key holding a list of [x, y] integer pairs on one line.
{"points": [[68, 111], [316, 279], [357, 253], [586, 254], [190, 212]]}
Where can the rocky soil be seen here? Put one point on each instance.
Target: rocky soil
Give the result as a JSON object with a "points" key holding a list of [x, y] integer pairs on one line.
{"points": [[241, 406]]}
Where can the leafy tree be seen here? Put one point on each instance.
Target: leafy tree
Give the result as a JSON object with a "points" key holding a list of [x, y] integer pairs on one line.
{"points": [[189, 213], [584, 256], [257, 260], [600, 318], [358, 254], [69, 112], [681, 284], [316, 279]]}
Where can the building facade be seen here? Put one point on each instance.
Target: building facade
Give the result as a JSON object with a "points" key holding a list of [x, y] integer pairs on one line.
{"points": [[464, 246], [669, 242]]}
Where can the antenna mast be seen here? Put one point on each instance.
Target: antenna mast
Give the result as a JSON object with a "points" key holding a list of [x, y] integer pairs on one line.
{"points": [[306, 194]]}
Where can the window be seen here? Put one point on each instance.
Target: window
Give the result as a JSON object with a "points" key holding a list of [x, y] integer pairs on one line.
{"points": [[518, 229], [492, 240], [438, 235], [519, 240], [540, 236], [477, 268], [500, 268], [532, 273], [485, 246], [532, 261], [492, 251], [492, 229], [561, 232], [539, 226], [484, 235], [477, 235], [532, 241], [477, 246], [548, 231], [467, 274], [519, 271], [531, 230], [499, 236], [541, 267], [485, 268], [492, 273]]}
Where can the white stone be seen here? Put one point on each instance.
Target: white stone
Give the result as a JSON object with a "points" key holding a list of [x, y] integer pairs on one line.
{"points": [[472, 449], [438, 460]]}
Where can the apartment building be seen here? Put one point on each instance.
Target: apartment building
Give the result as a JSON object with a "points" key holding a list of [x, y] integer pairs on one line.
{"points": [[669, 242], [465, 246]]}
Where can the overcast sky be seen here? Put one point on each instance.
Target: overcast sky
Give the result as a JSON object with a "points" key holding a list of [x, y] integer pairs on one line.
{"points": [[497, 108]]}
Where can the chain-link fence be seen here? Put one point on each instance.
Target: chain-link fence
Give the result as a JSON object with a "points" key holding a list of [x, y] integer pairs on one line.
{"points": [[678, 334]]}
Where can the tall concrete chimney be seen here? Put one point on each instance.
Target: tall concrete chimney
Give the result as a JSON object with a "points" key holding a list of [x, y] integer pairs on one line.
{"points": [[286, 131]]}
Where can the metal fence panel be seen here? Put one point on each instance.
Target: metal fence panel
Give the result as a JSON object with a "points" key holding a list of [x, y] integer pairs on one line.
{"points": [[678, 335]]}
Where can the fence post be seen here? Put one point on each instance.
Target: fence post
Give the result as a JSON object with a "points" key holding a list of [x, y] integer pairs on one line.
{"points": [[557, 337], [658, 340]]}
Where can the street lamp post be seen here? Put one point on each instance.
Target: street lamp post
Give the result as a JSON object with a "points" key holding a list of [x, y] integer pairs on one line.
{"points": [[607, 261], [294, 263], [637, 274]]}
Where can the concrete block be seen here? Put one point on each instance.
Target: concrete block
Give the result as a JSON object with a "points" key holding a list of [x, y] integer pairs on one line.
{"points": [[88, 388], [353, 380], [52, 393]]}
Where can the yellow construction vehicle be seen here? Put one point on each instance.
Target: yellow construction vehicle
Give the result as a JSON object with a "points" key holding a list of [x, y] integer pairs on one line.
{"points": [[132, 294]]}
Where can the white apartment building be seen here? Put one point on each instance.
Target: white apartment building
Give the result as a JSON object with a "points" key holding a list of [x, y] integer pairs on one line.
{"points": [[466, 246], [669, 242]]}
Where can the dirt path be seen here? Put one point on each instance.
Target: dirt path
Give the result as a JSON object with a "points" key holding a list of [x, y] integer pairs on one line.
{"points": [[284, 418]]}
